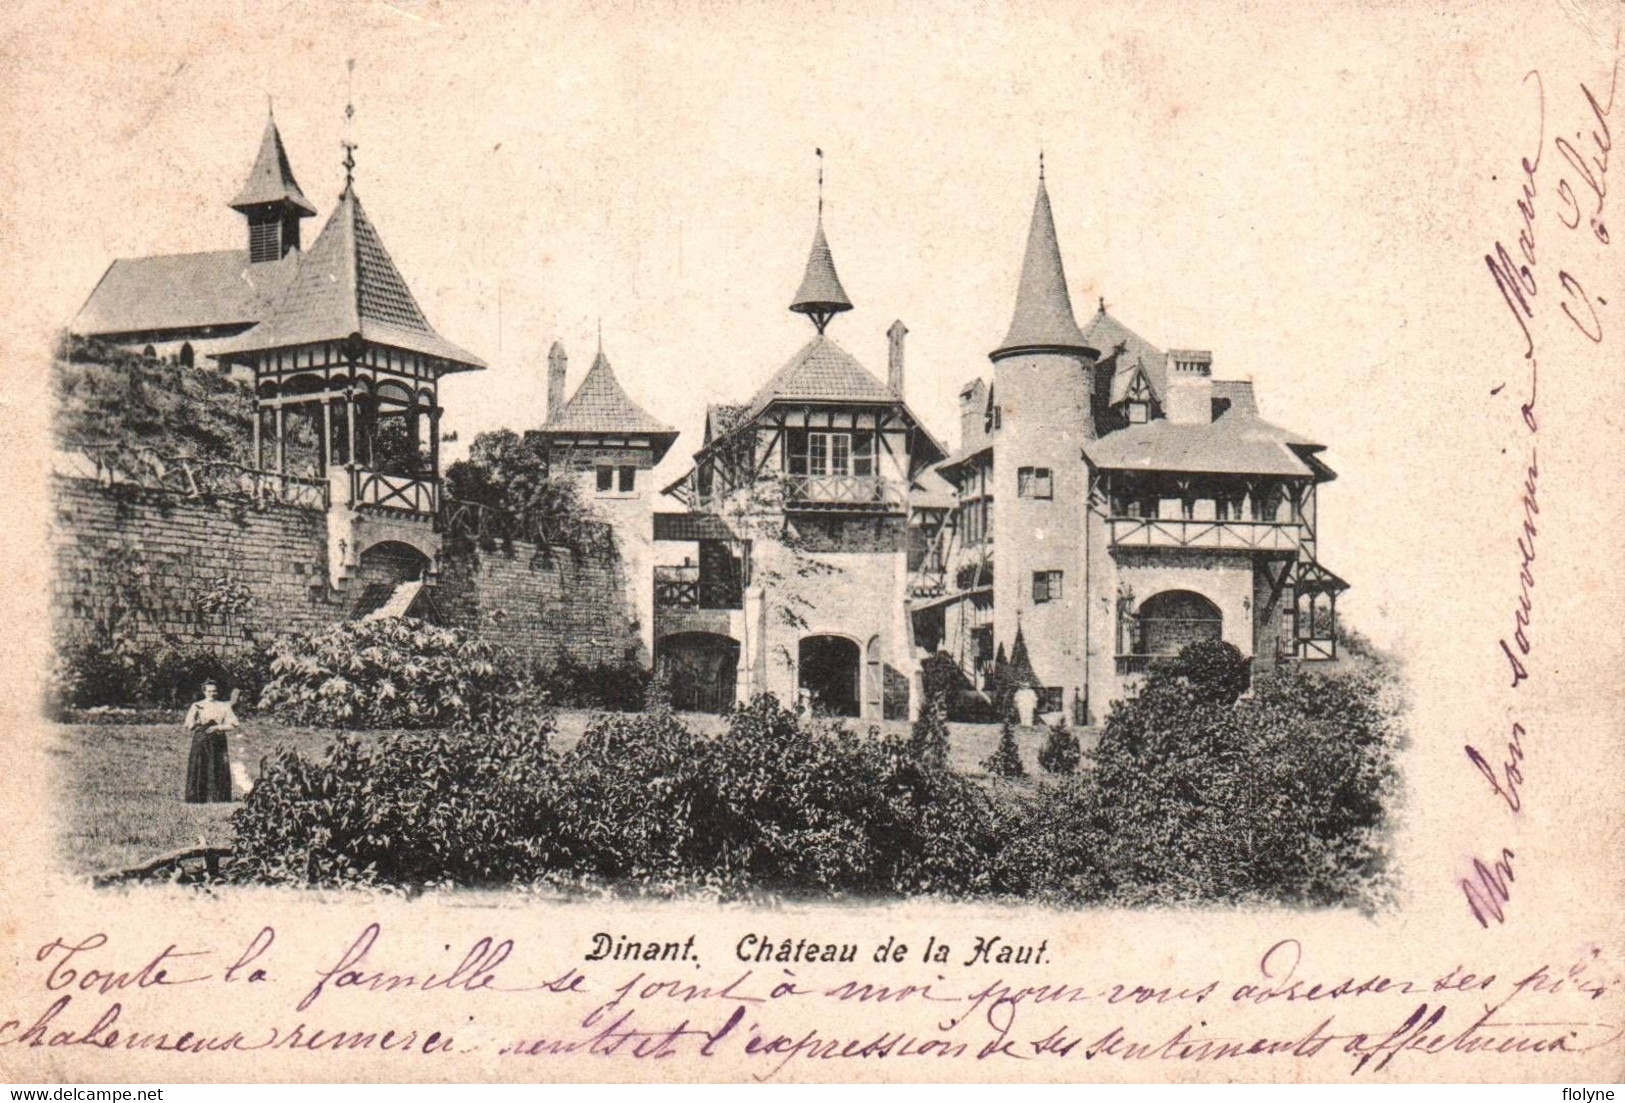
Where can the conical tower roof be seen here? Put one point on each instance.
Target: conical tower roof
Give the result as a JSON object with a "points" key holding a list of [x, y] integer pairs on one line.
{"points": [[821, 294], [1043, 317], [271, 179], [347, 286], [601, 405]]}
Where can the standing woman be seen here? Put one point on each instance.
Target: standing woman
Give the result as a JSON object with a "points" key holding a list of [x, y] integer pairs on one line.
{"points": [[208, 767]]}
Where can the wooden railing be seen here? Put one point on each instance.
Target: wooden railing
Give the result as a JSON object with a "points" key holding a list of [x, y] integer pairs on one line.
{"points": [[402, 492], [115, 465], [491, 526], [860, 493], [677, 587], [1155, 532]]}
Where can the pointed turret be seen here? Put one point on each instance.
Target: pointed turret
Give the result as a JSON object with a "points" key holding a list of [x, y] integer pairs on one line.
{"points": [[271, 200], [347, 286], [1043, 319], [821, 296]]}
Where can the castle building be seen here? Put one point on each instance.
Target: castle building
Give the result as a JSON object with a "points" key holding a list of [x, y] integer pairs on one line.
{"points": [[795, 547], [610, 445], [1141, 505], [184, 306]]}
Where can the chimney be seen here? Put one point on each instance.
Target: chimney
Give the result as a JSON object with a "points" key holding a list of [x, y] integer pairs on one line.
{"points": [[1190, 387], [894, 363], [972, 412], [557, 361]]}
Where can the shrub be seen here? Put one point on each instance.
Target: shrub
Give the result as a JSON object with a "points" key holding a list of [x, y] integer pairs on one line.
{"points": [[1005, 761], [928, 739], [395, 672], [473, 805], [571, 683], [1060, 753], [95, 672], [1217, 671], [1279, 796]]}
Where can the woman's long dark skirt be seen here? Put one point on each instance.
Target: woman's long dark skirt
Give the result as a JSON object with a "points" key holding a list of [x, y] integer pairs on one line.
{"points": [[208, 769]]}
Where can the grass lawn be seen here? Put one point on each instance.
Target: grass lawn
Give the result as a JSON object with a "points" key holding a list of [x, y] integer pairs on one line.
{"points": [[123, 782]]}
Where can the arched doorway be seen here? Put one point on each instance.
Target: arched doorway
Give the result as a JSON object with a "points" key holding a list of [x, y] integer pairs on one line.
{"points": [[389, 581], [1174, 619], [828, 671], [700, 668]]}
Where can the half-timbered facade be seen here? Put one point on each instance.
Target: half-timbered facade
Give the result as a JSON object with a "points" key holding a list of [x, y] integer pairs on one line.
{"points": [[1141, 505], [799, 527], [347, 374]]}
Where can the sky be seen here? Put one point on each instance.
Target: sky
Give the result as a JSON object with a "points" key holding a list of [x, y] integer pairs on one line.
{"points": [[1308, 194]]}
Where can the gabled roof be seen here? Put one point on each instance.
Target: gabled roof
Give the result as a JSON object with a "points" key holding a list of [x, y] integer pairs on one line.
{"points": [[601, 405], [722, 418], [932, 490], [1237, 443], [1123, 382], [348, 286], [1043, 316], [271, 179], [1240, 394], [183, 291], [1123, 350], [821, 371]]}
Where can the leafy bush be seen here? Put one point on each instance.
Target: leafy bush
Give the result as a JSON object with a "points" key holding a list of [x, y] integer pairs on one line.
{"points": [[571, 683], [1217, 671], [1060, 753], [471, 805], [1005, 761], [928, 739], [1279, 796], [395, 672], [95, 672]]}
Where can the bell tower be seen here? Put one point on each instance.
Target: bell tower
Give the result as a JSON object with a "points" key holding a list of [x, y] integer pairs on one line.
{"points": [[1042, 383], [271, 201]]}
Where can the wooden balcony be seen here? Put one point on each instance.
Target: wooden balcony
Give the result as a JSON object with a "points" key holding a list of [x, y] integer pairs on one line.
{"points": [[843, 494], [1156, 532], [398, 492], [685, 587]]}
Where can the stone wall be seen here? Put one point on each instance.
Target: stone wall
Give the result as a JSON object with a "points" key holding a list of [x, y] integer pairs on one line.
{"points": [[141, 564], [542, 605]]}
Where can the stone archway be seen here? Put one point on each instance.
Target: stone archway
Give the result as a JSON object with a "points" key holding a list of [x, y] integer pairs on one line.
{"points": [[828, 674], [1174, 619], [701, 670]]}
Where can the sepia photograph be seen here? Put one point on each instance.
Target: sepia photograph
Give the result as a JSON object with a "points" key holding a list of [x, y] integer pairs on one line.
{"points": [[1029, 507]]}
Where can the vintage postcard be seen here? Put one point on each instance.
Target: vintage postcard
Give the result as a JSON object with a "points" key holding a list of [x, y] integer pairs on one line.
{"points": [[813, 542]]}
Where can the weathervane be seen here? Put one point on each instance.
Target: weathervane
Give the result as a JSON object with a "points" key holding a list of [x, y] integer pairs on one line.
{"points": [[820, 182], [349, 113]]}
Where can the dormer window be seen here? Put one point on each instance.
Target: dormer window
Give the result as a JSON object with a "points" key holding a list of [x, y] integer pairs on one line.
{"points": [[1139, 412]]}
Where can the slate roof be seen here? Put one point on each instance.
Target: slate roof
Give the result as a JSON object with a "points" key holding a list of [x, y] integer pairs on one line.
{"points": [[348, 285], [691, 526], [1122, 350], [271, 180], [932, 490], [1043, 314], [601, 405], [821, 371], [821, 288], [1240, 394], [1236, 443], [183, 291]]}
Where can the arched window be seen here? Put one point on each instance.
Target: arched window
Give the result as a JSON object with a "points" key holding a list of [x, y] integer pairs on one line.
{"points": [[186, 355], [1171, 620]]}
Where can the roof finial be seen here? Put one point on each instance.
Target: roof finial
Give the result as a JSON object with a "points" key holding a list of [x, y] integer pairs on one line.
{"points": [[270, 105], [1040, 164], [600, 335], [820, 153], [349, 113], [1103, 304]]}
